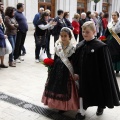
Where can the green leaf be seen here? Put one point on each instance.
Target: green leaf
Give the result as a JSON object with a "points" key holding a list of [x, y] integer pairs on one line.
{"points": [[96, 1]]}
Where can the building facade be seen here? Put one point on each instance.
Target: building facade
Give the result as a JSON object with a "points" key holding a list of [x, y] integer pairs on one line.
{"points": [[73, 6]]}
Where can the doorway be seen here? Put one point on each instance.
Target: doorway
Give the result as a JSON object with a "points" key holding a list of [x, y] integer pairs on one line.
{"points": [[81, 6], [47, 4]]}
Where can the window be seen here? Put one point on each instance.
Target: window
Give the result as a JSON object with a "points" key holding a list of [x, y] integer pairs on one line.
{"points": [[81, 5], [104, 8], [47, 4], [105, 1], [47, 1]]}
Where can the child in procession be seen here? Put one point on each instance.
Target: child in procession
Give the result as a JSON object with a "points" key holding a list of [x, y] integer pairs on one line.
{"points": [[97, 84], [60, 90]]}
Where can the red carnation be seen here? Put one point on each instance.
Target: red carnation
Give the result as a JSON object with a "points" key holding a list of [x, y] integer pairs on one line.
{"points": [[48, 62], [102, 38]]}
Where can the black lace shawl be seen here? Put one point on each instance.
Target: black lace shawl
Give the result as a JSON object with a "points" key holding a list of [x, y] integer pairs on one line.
{"points": [[58, 84]]}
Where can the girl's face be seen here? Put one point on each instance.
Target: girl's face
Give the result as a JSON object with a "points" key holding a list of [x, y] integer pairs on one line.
{"points": [[88, 34], [114, 17], [65, 37]]}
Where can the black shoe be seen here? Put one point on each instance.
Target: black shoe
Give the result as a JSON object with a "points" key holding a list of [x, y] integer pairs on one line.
{"points": [[61, 111], [79, 117], [99, 111], [3, 66]]}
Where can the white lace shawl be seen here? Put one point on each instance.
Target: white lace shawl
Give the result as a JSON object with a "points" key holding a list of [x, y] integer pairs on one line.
{"points": [[114, 27]]}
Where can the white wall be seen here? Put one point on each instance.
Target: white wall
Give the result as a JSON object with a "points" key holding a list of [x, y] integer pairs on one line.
{"points": [[115, 5], [67, 5], [31, 8], [99, 6], [72, 8]]}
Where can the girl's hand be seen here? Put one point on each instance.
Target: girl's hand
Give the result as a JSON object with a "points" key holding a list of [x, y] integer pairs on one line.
{"points": [[76, 77]]}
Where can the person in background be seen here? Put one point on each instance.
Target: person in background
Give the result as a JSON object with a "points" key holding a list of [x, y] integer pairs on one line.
{"points": [[88, 15], [81, 22], [67, 21], [97, 24], [22, 31], [94, 19], [76, 25], [37, 16], [48, 34], [100, 22], [2, 11], [41, 32], [105, 22], [11, 31], [113, 31], [60, 24], [2, 44]]}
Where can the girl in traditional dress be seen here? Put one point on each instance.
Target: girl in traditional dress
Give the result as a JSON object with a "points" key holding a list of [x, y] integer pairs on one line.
{"points": [[60, 90], [113, 35]]}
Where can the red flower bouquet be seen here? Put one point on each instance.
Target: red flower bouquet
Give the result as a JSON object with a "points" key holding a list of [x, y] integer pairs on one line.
{"points": [[48, 62], [102, 38]]}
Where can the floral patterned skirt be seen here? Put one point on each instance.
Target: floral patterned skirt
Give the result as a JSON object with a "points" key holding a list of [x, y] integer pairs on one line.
{"points": [[71, 104]]}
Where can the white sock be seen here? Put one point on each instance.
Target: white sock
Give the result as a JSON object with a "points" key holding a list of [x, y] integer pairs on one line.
{"points": [[81, 110]]}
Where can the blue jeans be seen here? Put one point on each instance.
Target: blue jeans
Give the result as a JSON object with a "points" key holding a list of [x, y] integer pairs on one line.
{"points": [[12, 40]]}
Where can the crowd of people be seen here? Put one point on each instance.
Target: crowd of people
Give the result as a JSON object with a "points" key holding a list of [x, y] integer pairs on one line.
{"points": [[89, 63], [82, 74], [13, 26]]}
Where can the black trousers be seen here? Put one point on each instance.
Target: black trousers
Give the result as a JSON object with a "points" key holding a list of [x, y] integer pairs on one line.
{"points": [[38, 48], [37, 51], [19, 44], [48, 46]]}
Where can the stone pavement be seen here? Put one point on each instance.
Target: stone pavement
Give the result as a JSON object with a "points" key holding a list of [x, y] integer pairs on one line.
{"points": [[26, 82]]}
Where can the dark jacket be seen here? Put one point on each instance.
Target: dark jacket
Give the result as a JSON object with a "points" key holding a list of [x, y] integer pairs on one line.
{"points": [[60, 24], [113, 46], [38, 31], [10, 29], [2, 38], [36, 18], [97, 85], [68, 23]]}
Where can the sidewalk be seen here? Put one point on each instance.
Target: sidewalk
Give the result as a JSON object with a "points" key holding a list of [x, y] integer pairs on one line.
{"points": [[25, 84]]}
